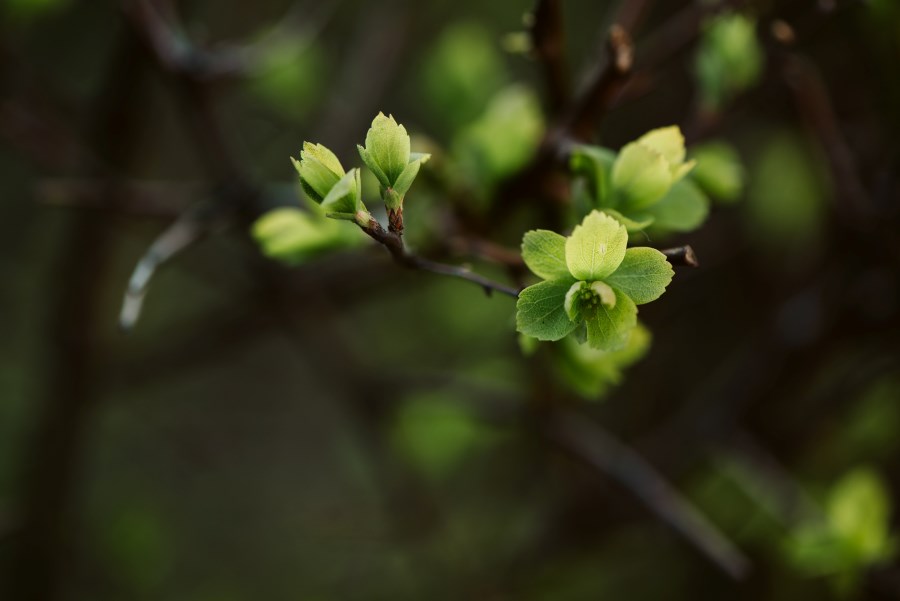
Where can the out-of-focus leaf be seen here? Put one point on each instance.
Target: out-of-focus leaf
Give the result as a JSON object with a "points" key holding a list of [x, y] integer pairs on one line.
{"points": [[139, 546], [502, 140], [729, 58], [854, 535], [641, 176], [435, 431], [292, 236], [289, 77], [27, 10], [591, 372], [786, 198], [461, 74], [683, 209], [719, 171]]}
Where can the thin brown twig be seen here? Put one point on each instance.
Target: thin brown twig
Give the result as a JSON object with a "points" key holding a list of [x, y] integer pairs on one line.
{"points": [[604, 86], [683, 256], [394, 244], [600, 450], [816, 110], [549, 46]]}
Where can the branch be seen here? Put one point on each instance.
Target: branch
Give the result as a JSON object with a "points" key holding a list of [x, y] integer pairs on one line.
{"points": [[394, 244], [603, 87], [816, 110], [599, 450], [548, 41], [681, 256]]}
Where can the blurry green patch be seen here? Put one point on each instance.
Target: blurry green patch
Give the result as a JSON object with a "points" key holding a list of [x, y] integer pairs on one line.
{"points": [[729, 59], [292, 236], [871, 430], [461, 73], [502, 140], [738, 502], [591, 372], [138, 546], [853, 536], [289, 77], [435, 432], [683, 209], [719, 171], [620, 561], [27, 10], [787, 195]]}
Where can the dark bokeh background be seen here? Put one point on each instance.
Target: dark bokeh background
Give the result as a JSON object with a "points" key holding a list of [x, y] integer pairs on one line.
{"points": [[346, 429]]}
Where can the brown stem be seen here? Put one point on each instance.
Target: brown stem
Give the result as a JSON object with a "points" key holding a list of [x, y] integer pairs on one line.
{"points": [[604, 86], [394, 244], [682, 256], [600, 450], [548, 41]]}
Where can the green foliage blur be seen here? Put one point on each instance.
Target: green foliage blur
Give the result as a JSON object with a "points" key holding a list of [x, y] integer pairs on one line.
{"points": [[295, 416]]}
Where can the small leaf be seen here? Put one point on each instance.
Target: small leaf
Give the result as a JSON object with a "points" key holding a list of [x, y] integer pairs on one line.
{"points": [[595, 163], [683, 209], [641, 176], [344, 199], [319, 170], [591, 372], [544, 252], [404, 182], [667, 141], [859, 513], [540, 312], [643, 275], [373, 167], [388, 145], [596, 247], [608, 328], [291, 235], [635, 222], [719, 171]]}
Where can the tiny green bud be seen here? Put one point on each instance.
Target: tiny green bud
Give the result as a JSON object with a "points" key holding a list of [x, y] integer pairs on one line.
{"points": [[319, 170], [605, 293], [387, 144], [344, 200], [647, 168]]}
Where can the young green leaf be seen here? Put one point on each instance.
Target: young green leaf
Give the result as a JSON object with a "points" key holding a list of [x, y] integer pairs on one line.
{"points": [[373, 167], [608, 328], [683, 209], [387, 144], [635, 222], [544, 252], [641, 175], [667, 141], [404, 182], [344, 200], [540, 312], [319, 170], [596, 247], [595, 164], [643, 275]]}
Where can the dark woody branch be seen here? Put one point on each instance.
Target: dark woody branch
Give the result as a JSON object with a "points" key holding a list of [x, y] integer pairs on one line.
{"points": [[394, 244], [603, 87], [549, 47]]}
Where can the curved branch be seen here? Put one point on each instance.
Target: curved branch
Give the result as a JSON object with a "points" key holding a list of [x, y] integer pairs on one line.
{"points": [[394, 244]]}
